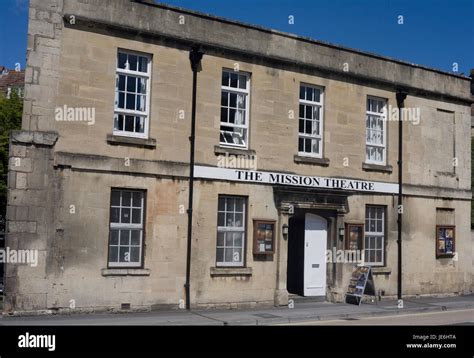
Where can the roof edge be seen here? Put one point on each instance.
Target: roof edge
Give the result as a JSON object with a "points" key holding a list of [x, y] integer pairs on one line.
{"points": [[296, 37]]}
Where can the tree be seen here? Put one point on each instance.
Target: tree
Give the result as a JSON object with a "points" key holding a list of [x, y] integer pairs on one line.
{"points": [[10, 119]]}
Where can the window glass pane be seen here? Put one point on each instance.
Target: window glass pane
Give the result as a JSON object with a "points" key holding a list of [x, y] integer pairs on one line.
{"points": [[136, 216], [115, 198], [379, 225], [230, 219], [220, 255], [228, 255], [309, 94], [238, 239], [317, 95], [131, 84], [125, 216], [130, 104], [135, 237], [237, 255], [139, 125], [225, 78], [121, 100], [225, 98], [378, 243], [242, 82], [124, 254], [221, 205], [129, 123], [134, 254], [232, 115], [239, 205], [132, 60], [122, 58], [114, 215], [300, 144], [121, 82], [302, 92], [229, 240], [124, 237], [113, 254], [233, 100], [126, 198], [137, 199], [371, 256], [221, 219], [224, 114], [114, 237], [143, 65], [233, 80], [239, 220], [220, 239]]}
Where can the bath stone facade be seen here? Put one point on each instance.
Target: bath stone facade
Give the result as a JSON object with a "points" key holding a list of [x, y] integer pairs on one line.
{"points": [[101, 191]]}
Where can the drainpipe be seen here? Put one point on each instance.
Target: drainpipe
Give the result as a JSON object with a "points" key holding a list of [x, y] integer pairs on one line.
{"points": [[401, 95], [195, 56]]}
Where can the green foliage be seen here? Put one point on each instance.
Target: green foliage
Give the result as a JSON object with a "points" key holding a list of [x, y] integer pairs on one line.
{"points": [[10, 118]]}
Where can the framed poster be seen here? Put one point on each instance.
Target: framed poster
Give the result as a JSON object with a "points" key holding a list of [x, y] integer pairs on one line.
{"points": [[354, 236], [263, 237], [445, 240]]}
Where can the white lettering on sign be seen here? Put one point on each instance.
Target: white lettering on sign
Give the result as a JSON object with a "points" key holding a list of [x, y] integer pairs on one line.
{"points": [[293, 179]]}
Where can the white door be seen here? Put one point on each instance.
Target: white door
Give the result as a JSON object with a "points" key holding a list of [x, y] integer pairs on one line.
{"points": [[315, 237]]}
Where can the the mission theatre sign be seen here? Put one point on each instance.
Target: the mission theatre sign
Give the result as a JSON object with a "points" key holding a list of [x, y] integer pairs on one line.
{"points": [[293, 179]]}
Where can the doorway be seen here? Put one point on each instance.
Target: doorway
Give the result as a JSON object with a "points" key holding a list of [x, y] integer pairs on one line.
{"points": [[307, 242]]}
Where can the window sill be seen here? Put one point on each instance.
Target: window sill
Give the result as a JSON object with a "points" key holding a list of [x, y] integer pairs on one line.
{"points": [[131, 141], [377, 168], [231, 271], [232, 151], [125, 272], [381, 271], [300, 159]]}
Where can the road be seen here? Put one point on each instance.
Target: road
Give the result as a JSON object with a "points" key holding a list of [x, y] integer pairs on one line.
{"points": [[453, 317]]}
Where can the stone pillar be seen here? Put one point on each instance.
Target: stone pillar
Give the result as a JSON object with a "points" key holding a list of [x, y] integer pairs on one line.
{"points": [[42, 69], [30, 218], [281, 293]]}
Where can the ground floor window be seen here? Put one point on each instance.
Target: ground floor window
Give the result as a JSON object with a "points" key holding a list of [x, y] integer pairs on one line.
{"points": [[374, 243], [230, 231], [126, 228]]}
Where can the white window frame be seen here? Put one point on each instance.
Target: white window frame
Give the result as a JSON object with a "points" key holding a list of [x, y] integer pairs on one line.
{"points": [[241, 91], [313, 104], [375, 234], [146, 113], [384, 129], [226, 229], [127, 226]]}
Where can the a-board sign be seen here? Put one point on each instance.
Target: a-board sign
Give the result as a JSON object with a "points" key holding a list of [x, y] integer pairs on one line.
{"points": [[360, 284]]}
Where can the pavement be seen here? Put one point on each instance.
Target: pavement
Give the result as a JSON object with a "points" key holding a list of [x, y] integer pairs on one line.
{"points": [[304, 311]]}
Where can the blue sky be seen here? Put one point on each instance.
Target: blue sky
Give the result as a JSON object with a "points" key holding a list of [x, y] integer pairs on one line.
{"points": [[435, 33]]}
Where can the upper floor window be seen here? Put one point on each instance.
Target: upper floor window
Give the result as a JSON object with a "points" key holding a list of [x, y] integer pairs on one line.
{"points": [[235, 108], [132, 94], [310, 133], [376, 130], [126, 228]]}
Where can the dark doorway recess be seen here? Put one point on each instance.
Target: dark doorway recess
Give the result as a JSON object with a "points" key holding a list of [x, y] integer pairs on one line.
{"points": [[295, 270]]}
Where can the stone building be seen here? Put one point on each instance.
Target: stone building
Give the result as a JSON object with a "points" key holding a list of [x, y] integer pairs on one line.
{"points": [[11, 80], [296, 160]]}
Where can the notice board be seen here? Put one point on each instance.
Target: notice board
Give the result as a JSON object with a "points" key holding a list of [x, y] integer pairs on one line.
{"points": [[360, 284]]}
